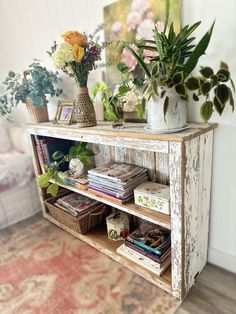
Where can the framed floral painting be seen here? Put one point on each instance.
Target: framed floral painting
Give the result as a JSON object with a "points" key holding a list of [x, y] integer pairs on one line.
{"points": [[131, 20]]}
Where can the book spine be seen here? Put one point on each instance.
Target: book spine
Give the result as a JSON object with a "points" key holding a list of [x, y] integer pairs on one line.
{"points": [[110, 193], [144, 246], [108, 197], [40, 154], [144, 252]]}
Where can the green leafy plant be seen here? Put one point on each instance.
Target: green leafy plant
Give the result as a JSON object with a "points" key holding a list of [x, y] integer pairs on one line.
{"points": [[34, 83], [79, 150], [175, 56], [112, 102]]}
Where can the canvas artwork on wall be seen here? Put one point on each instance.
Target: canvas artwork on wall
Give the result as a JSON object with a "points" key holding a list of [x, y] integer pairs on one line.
{"points": [[132, 20]]}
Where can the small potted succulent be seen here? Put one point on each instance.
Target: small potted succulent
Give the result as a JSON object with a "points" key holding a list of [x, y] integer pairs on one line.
{"points": [[78, 157], [169, 81], [30, 88]]}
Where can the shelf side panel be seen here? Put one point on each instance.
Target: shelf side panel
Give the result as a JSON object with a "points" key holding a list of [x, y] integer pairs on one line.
{"points": [[197, 204], [176, 172]]}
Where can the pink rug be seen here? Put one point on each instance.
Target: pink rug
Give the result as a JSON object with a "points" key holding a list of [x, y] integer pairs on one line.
{"points": [[45, 270]]}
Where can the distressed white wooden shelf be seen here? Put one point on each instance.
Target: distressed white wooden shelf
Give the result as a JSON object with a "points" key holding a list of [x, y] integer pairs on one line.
{"points": [[183, 160]]}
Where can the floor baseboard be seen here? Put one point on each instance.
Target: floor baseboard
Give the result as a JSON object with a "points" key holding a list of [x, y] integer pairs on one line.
{"points": [[222, 259]]}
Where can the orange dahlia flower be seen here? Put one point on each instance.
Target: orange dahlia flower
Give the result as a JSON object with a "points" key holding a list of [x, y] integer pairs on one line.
{"points": [[75, 38]]}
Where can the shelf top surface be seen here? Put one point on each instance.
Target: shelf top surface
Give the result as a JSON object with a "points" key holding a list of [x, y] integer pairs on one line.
{"points": [[128, 130]]}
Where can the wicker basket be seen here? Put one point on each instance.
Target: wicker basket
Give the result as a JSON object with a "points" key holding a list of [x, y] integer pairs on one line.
{"points": [[38, 114], [81, 224], [85, 111]]}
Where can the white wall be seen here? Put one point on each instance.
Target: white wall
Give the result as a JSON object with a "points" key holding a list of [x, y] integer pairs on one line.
{"points": [[29, 27]]}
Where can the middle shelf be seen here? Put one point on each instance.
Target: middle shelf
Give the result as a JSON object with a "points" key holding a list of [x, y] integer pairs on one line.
{"points": [[130, 208]]}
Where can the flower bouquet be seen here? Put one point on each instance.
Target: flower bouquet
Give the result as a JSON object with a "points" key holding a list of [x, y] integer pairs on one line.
{"points": [[77, 56]]}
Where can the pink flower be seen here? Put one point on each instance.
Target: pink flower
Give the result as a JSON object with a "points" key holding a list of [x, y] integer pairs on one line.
{"points": [[133, 20], [128, 58], [145, 30], [116, 27], [160, 26], [139, 5]]}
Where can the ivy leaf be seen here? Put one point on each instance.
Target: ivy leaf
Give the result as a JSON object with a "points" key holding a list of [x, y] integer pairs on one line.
{"points": [[86, 160], [223, 75], [195, 97], [123, 90], [122, 67], [222, 94], [205, 88], [53, 189], [73, 151], [192, 83], [138, 81], [43, 180], [165, 107], [178, 77], [95, 90], [180, 89], [11, 74], [139, 109], [206, 72], [206, 110], [217, 106], [57, 155]]}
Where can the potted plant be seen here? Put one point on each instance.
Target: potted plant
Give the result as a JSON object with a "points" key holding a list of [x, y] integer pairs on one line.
{"points": [[77, 56], [169, 79], [78, 157], [30, 88]]}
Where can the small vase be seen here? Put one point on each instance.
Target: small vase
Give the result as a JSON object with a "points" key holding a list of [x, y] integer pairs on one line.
{"points": [[118, 123], [84, 109], [38, 114], [176, 115], [76, 167]]}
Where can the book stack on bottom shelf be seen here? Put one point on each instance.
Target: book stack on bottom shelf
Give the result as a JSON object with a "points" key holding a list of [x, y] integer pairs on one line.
{"points": [[148, 246]]}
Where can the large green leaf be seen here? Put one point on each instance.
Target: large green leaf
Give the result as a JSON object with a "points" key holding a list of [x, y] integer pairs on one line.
{"points": [[178, 77], [206, 110], [57, 155], [206, 72], [86, 160], [222, 94], [53, 189], [180, 89], [205, 88], [217, 105], [123, 90], [122, 67], [198, 51], [192, 83], [223, 75], [43, 180], [139, 109]]}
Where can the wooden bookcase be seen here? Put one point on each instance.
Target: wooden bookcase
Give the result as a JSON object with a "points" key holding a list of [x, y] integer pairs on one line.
{"points": [[182, 160]]}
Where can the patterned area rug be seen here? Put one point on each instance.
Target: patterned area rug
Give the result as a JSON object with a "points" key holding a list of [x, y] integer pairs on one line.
{"points": [[45, 270]]}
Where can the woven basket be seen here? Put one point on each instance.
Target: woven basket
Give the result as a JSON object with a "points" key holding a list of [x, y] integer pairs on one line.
{"points": [[38, 114], [85, 111], [81, 224]]}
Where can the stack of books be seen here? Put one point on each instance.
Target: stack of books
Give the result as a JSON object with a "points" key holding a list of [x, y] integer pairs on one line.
{"points": [[148, 246], [116, 182], [79, 183], [76, 204]]}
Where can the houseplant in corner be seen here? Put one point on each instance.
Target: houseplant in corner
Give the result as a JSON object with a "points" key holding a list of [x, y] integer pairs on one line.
{"points": [[30, 88], [77, 56], [169, 81], [79, 156]]}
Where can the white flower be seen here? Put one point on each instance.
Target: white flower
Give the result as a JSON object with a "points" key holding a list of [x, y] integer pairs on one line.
{"points": [[62, 55], [130, 101], [139, 5], [133, 20], [116, 27]]}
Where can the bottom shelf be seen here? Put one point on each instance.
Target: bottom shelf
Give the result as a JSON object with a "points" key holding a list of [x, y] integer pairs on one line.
{"points": [[98, 239]]}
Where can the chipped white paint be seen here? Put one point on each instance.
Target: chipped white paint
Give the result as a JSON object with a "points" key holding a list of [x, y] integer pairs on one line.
{"points": [[176, 186], [75, 134]]}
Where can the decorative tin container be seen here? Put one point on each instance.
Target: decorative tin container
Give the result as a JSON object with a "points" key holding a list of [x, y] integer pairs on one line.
{"points": [[117, 226], [154, 196]]}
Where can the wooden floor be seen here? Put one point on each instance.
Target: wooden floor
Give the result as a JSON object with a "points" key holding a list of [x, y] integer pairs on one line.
{"points": [[213, 293]]}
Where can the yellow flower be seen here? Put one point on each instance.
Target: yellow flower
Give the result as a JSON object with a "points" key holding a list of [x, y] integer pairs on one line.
{"points": [[78, 53], [75, 38]]}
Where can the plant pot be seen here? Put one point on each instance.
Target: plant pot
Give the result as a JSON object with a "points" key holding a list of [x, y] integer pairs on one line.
{"points": [[84, 109], [38, 114], [76, 167], [176, 115]]}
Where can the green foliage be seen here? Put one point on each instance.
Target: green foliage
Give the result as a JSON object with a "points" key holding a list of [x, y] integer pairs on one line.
{"points": [[34, 83], [79, 150], [206, 110]]}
